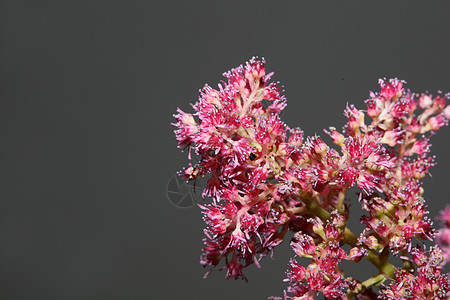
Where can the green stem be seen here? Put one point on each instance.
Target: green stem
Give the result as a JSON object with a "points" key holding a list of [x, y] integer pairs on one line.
{"points": [[314, 207], [374, 280], [382, 264], [341, 198]]}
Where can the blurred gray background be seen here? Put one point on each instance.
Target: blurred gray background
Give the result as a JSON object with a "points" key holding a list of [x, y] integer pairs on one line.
{"points": [[87, 93]]}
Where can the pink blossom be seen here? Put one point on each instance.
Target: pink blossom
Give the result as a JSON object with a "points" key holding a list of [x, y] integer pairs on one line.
{"points": [[373, 107], [403, 107], [295, 137], [440, 100], [420, 147], [392, 88], [337, 137]]}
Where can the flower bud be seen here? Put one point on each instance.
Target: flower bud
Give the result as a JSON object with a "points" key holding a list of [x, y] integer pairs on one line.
{"points": [[296, 137], [439, 101], [372, 243], [337, 137], [320, 147], [318, 227], [425, 101], [436, 122], [357, 253], [372, 108]]}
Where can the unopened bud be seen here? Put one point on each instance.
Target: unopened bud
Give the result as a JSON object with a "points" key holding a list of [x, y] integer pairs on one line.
{"points": [[356, 254], [372, 243]]}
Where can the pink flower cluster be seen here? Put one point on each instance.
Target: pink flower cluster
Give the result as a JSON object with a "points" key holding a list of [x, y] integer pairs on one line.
{"points": [[428, 283], [266, 180], [323, 274]]}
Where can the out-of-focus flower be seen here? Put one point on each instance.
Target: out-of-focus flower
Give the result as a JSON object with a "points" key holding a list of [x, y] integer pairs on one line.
{"points": [[443, 234]]}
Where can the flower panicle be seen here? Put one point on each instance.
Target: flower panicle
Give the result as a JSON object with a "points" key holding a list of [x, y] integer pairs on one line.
{"points": [[266, 179]]}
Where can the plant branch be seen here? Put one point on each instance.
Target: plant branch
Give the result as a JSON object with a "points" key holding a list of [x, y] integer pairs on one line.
{"points": [[350, 238], [374, 280]]}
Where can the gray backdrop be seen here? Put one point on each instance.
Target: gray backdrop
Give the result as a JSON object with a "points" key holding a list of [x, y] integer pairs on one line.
{"points": [[88, 89]]}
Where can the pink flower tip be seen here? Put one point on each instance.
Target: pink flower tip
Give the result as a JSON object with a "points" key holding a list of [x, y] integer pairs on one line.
{"points": [[391, 89]]}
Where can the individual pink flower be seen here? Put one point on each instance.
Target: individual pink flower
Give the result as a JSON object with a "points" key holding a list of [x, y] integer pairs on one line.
{"points": [[392, 88], [436, 122], [187, 128]]}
